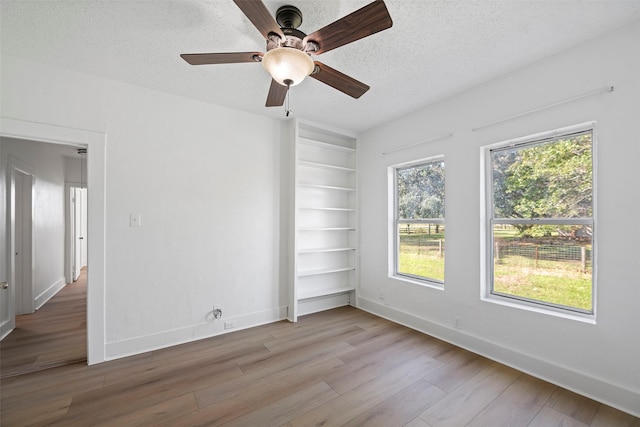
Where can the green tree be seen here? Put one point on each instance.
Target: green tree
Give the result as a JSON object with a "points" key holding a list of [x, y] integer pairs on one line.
{"points": [[421, 191], [549, 180]]}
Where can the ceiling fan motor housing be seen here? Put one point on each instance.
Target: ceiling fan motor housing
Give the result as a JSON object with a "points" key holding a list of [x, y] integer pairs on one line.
{"points": [[289, 18]]}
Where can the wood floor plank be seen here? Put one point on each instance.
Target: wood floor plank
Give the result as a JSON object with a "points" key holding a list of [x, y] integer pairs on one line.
{"points": [[155, 414], [370, 364], [70, 381], [289, 407], [548, 417], [123, 397], [342, 332], [458, 371], [162, 365], [417, 422], [222, 404], [607, 416], [383, 347], [400, 408], [574, 405], [37, 414], [353, 403], [517, 405], [465, 402], [285, 359]]}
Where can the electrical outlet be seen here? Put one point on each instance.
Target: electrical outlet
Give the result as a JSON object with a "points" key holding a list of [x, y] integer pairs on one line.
{"points": [[230, 324], [217, 311], [457, 323]]}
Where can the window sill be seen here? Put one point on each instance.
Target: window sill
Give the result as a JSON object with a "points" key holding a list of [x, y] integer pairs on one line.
{"points": [[536, 308], [423, 283]]}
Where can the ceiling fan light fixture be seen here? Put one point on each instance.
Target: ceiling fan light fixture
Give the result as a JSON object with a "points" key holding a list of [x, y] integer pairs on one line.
{"points": [[287, 64]]}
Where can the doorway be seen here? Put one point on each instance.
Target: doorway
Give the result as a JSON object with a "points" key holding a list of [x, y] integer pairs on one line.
{"points": [[96, 178], [55, 334]]}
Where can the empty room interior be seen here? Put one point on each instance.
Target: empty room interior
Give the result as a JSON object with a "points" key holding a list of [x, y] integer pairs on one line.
{"points": [[293, 213]]}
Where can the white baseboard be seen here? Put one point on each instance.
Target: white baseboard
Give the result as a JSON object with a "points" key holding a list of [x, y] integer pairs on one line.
{"points": [[49, 292], [314, 305], [582, 383], [142, 344]]}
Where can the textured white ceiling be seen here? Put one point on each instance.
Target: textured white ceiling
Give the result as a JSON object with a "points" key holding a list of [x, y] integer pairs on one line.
{"points": [[434, 49]]}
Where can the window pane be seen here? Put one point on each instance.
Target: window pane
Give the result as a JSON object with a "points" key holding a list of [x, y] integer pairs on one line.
{"points": [[421, 250], [547, 180], [420, 191], [555, 267]]}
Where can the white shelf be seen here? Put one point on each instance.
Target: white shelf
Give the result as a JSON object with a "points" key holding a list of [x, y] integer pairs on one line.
{"points": [[325, 145], [329, 270], [324, 250], [328, 209], [324, 292], [327, 187], [324, 166], [326, 229]]}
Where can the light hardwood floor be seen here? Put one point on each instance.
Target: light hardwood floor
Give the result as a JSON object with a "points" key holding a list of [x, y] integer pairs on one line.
{"points": [[341, 367], [54, 335]]}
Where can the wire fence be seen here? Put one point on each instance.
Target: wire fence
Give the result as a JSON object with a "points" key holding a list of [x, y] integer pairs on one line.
{"points": [[423, 246], [538, 256]]}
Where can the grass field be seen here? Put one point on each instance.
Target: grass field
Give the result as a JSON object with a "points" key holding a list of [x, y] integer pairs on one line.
{"points": [[422, 254], [563, 280]]}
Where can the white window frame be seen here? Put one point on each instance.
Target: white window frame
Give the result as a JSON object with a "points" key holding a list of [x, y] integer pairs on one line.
{"points": [[487, 244], [395, 222]]}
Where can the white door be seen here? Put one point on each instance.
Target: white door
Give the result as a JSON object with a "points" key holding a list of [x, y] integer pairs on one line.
{"points": [[77, 233], [78, 220], [23, 262], [7, 315], [83, 228]]}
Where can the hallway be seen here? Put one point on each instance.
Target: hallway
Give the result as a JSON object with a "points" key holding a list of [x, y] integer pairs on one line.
{"points": [[54, 335]]}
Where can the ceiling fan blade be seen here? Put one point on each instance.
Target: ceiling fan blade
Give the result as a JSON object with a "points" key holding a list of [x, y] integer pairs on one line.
{"points": [[364, 22], [260, 17], [220, 58], [276, 95], [338, 80]]}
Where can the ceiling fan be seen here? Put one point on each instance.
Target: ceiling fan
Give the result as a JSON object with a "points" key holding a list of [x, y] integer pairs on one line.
{"points": [[289, 50]]}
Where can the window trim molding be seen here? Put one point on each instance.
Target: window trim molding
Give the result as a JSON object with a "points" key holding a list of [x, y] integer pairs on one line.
{"points": [[394, 238], [487, 222]]}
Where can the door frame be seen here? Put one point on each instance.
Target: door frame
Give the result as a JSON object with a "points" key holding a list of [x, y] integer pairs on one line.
{"points": [[27, 303], [95, 142]]}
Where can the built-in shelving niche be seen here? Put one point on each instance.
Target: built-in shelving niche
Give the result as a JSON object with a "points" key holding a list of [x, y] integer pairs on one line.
{"points": [[325, 230]]}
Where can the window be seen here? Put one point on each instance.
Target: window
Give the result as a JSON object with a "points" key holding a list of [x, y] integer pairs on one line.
{"points": [[419, 221], [541, 226]]}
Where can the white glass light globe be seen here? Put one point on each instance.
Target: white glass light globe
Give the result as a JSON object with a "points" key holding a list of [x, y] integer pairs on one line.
{"points": [[287, 64]]}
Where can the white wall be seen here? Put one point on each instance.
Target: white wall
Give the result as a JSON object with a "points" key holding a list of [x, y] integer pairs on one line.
{"points": [[599, 360], [48, 165], [206, 182]]}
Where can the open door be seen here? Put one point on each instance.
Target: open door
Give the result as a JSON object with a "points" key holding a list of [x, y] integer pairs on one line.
{"points": [[16, 291], [78, 227], [7, 315], [22, 239]]}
